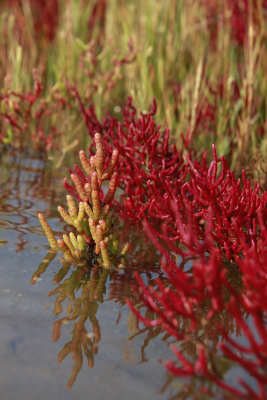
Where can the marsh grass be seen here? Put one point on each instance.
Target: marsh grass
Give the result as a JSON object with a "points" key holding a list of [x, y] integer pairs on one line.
{"points": [[208, 83]]}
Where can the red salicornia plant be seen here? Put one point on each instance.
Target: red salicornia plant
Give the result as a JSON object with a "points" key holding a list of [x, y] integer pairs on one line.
{"points": [[144, 152], [219, 223]]}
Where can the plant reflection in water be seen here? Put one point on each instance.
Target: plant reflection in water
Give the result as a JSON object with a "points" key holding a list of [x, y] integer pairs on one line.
{"points": [[80, 290], [83, 290], [80, 310]]}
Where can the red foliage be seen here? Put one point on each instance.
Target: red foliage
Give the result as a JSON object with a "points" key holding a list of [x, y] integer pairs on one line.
{"points": [[144, 153], [208, 216], [29, 113], [196, 211], [200, 294], [210, 192], [97, 18], [45, 16], [237, 14]]}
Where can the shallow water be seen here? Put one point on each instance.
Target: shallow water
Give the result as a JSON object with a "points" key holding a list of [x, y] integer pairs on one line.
{"points": [[119, 368]]}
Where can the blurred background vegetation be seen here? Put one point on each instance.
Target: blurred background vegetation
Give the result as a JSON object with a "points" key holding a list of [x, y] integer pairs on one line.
{"points": [[203, 61]]}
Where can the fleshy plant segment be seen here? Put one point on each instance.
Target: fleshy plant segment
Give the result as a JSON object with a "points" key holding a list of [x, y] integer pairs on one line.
{"points": [[212, 292], [90, 219], [217, 223], [145, 152]]}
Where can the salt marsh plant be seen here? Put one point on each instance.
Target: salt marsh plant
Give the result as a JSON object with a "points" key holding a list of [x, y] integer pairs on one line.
{"points": [[216, 224], [91, 218]]}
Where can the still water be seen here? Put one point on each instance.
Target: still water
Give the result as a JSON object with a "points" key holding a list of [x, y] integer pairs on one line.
{"points": [[68, 334]]}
